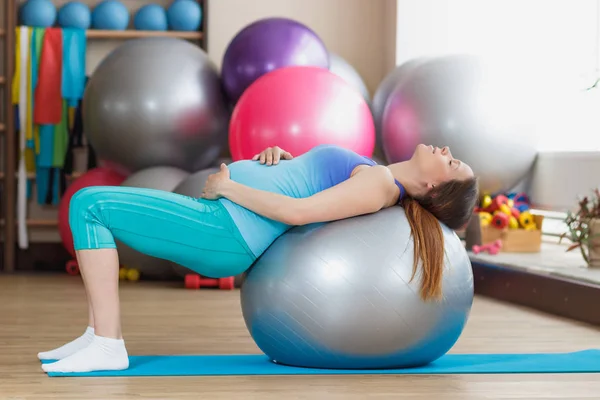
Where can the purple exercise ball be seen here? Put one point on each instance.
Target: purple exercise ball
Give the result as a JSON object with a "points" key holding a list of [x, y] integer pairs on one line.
{"points": [[266, 45]]}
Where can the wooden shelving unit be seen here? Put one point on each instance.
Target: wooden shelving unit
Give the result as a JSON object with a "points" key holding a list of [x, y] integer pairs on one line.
{"points": [[134, 34], [31, 175], [8, 137], [37, 223]]}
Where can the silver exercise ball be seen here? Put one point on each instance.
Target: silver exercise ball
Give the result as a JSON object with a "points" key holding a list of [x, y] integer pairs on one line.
{"points": [[344, 70], [156, 101], [192, 186], [160, 178], [385, 88], [484, 112], [339, 295]]}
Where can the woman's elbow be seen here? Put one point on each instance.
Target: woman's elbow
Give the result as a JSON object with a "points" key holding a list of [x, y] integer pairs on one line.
{"points": [[296, 218], [297, 214]]}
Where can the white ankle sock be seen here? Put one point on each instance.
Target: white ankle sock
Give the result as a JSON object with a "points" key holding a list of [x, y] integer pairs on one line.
{"points": [[70, 348], [103, 354]]}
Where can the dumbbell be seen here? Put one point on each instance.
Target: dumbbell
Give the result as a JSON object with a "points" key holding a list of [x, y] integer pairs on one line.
{"points": [[72, 267], [486, 201], [522, 207], [504, 208], [194, 281], [491, 248], [129, 274], [485, 218], [497, 202], [527, 221], [515, 213], [521, 198], [500, 220], [513, 223]]}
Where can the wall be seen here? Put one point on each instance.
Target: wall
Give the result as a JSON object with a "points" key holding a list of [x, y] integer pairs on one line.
{"points": [[390, 28], [559, 178], [361, 31]]}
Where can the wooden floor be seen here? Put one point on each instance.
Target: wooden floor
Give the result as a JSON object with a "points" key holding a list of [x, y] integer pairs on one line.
{"points": [[39, 313]]}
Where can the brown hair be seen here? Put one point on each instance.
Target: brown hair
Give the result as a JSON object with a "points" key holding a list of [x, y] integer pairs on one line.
{"points": [[451, 203]]}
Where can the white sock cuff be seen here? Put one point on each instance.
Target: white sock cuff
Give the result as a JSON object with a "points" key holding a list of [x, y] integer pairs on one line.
{"points": [[89, 330], [108, 341]]}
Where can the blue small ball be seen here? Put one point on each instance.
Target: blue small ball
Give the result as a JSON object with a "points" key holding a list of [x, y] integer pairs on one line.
{"points": [[110, 15], [75, 15], [151, 17], [38, 13], [184, 15]]}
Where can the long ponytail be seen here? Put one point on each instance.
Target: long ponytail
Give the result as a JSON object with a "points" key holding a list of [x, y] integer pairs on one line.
{"points": [[450, 203], [428, 248]]}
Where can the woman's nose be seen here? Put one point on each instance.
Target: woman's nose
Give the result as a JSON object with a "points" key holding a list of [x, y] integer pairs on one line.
{"points": [[446, 150]]}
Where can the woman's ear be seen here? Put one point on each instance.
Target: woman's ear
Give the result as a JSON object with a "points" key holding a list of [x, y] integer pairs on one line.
{"points": [[430, 190]]}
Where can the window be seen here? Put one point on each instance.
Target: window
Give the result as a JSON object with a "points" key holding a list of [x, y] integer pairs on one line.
{"points": [[559, 40]]}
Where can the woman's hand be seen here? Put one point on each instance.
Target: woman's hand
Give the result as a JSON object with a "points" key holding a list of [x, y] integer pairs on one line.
{"points": [[215, 184], [272, 155]]}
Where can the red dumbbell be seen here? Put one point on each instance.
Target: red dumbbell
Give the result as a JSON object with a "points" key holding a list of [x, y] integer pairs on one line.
{"points": [[491, 248], [515, 212], [194, 281], [497, 202], [500, 220], [72, 267]]}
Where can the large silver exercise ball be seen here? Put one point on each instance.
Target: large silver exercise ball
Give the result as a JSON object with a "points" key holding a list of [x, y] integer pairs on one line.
{"points": [[385, 88], [484, 112], [340, 67], [156, 101], [192, 186], [339, 295], [160, 178]]}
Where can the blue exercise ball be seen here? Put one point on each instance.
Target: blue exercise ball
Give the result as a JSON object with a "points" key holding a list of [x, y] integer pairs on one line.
{"points": [[151, 17], [110, 15], [75, 15], [184, 15], [38, 13]]}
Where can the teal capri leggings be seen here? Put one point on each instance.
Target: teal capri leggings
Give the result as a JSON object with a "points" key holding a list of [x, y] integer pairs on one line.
{"points": [[198, 234]]}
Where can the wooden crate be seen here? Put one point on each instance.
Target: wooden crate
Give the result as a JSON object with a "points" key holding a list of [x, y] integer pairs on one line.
{"points": [[513, 240]]}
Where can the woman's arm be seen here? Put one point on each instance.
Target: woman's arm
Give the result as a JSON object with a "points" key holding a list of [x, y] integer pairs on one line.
{"points": [[366, 192]]}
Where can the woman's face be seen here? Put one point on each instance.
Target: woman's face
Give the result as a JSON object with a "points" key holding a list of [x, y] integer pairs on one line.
{"points": [[437, 165]]}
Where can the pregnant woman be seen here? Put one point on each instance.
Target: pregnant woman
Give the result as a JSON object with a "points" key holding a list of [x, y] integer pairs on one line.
{"points": [[243, 209]]}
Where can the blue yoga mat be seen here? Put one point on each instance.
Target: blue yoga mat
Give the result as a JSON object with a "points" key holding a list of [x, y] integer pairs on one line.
{"points": [[587, 361]]}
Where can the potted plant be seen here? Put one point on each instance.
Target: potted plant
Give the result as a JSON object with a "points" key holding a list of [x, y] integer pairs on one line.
{"points": [[583, 229]]}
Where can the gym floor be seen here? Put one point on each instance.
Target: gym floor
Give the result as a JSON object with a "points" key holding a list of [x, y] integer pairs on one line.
{"points": [[42, 312]]}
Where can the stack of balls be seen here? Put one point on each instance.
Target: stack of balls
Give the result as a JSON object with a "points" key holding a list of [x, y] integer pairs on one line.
{"points": [[509, 211], [288, 90], [180, 15], [180, 121]]}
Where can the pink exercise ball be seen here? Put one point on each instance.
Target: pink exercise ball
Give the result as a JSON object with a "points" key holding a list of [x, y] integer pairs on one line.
{"points": [[298, 108]]}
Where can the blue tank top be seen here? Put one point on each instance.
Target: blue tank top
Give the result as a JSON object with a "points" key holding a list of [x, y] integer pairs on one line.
{"points": [[320, 168]]}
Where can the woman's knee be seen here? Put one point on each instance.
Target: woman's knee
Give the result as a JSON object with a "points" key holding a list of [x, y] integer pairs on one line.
{"points": [[85, 203]]}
